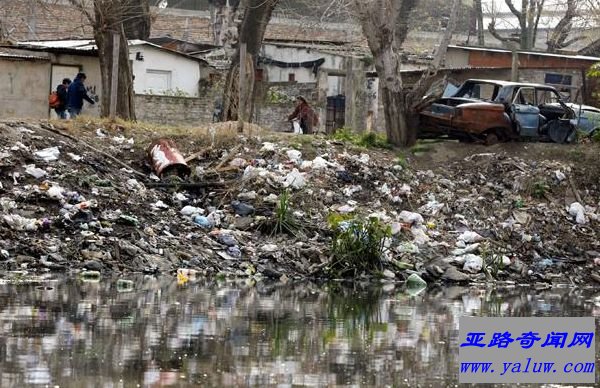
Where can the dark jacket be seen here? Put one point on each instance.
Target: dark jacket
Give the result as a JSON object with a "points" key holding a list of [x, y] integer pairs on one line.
{"points": [[63, 96], [307, 116], [77, 94]]}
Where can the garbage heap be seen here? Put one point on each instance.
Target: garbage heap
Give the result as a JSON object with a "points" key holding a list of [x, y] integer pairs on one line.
{"points": [[94, 201]]}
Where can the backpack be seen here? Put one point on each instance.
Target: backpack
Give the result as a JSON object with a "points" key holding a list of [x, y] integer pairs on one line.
{"points": [[53, 100]]}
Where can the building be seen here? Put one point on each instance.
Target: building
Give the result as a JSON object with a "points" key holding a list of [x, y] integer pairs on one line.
{"points": [[565, 72], [28, 76], [33, 69]]}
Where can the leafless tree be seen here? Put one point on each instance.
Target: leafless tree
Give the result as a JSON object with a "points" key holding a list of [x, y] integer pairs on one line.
{"points": [[256, 17], [529, 15], [385, 24], [129, 19]]}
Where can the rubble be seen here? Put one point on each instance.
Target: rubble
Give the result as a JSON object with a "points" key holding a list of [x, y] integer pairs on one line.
{"points": [[487, 217]]}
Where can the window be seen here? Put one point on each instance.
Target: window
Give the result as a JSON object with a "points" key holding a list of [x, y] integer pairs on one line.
{"points": [[481, 91], [525, 96], [545, 96], [291, 77], [158, 80], [558, 79]]}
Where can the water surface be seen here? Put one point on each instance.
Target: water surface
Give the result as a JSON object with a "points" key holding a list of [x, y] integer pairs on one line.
{"points": [[75, 333]]}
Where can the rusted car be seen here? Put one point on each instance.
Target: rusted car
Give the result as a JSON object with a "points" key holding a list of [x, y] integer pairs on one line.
{"points": [[493, 111]]}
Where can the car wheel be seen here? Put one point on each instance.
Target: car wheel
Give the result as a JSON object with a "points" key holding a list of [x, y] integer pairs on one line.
{"points": [[491, 138]]}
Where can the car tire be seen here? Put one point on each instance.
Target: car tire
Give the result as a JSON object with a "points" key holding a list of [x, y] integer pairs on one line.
{"points": [[491, 138]]}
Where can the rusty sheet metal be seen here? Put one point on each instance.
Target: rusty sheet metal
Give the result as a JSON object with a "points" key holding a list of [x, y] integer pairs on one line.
{"points": [[166, 158]]}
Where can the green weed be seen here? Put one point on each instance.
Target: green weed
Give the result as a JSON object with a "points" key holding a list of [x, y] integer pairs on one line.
{"points": [[365, 140], [357, 246], [283, 220], [540, 189]]}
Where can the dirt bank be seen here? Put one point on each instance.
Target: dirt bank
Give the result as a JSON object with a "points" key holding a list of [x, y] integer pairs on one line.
{"points": [[519, 212]]}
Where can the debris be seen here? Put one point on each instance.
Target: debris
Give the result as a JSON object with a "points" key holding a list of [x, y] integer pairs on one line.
{"points": [[454, 275], [166, 158], [473, 263], [242, 209], [577, 211], [189, 211], [411, 218], [470, 237], [415, 281], [48, 154], [294, 155], [35, 172], [294, 180]]}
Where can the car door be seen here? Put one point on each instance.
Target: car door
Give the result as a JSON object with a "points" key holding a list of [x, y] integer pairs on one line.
{"points": [[525, 112]]}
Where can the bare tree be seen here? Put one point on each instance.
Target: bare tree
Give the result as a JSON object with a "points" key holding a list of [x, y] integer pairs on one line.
{"points": [[128, 19], [529, 15], [559, 38], [256, 17], [385, 24]]}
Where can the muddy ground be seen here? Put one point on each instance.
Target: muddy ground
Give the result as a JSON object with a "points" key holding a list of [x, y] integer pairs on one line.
{"points": [[458, 212]]}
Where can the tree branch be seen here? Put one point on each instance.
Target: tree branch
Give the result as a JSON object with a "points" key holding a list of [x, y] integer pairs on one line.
{"points": [[513, 9], [496, 34]]}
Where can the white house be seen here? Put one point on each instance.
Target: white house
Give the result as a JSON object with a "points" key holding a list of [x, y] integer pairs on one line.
{"points": [[156, 70], [159, 70]]}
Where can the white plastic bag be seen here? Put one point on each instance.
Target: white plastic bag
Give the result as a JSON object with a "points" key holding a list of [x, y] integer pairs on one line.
{"points": [[297, 128]]}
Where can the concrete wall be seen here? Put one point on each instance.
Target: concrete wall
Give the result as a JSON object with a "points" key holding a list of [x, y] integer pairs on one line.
{"points": [[302, 75], [183, 74], [24, 88]]}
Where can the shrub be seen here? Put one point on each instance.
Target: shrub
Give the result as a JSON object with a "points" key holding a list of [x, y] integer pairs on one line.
{"points": [[358, 245]]}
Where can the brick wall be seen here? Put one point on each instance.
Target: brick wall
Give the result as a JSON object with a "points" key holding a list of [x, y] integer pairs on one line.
{"points": [[275, 103], [173, 110]]}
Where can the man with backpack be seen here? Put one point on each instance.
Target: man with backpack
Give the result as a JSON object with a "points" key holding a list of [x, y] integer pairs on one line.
{"points": [[77, 94], [59, 99]]}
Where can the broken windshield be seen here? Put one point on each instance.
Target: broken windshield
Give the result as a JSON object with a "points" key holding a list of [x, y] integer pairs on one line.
{"points": [[478, 90]]}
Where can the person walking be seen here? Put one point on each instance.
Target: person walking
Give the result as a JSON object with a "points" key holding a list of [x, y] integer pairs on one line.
{"points": [[77, 94], [62, 92], [305, 114]]}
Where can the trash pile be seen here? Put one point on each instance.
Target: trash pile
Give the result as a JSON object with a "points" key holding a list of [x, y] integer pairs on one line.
{"points": [[103, 201]]}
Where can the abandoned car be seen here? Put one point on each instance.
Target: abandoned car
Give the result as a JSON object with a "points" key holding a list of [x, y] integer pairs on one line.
{"points": [[493, 111]]}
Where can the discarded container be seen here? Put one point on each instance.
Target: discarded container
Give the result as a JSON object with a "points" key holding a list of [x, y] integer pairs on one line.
{"points": [[166, 159]]}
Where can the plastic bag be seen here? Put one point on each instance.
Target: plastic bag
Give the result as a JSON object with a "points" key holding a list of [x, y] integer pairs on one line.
{"points": [[297, 128]]}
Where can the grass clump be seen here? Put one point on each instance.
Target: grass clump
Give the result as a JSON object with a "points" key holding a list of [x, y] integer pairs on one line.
{"points": [[401, 160], [283, 220], [358, 245], [365, 140], [539, 189]]}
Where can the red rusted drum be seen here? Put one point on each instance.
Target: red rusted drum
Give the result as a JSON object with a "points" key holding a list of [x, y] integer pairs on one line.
{"points": [[166, 158]]}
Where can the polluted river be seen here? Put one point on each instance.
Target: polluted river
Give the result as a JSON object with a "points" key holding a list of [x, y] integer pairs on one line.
{"points": [[104, 333], [225, 272]]}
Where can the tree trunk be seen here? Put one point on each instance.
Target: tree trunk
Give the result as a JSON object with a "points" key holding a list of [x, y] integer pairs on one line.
{"points": [[480, 27], [385, 28], [129, 19], [257, 14]]}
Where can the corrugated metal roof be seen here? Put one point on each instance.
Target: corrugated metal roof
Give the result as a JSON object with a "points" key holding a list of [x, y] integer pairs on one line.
{"points": [[22, 57], [88, 45], [542, 54]]}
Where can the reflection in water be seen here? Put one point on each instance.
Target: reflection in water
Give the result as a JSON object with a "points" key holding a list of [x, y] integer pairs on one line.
{"points": [[79, 334]]}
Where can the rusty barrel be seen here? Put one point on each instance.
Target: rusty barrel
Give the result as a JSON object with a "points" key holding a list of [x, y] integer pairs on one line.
{"points": [[166, 158]]}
